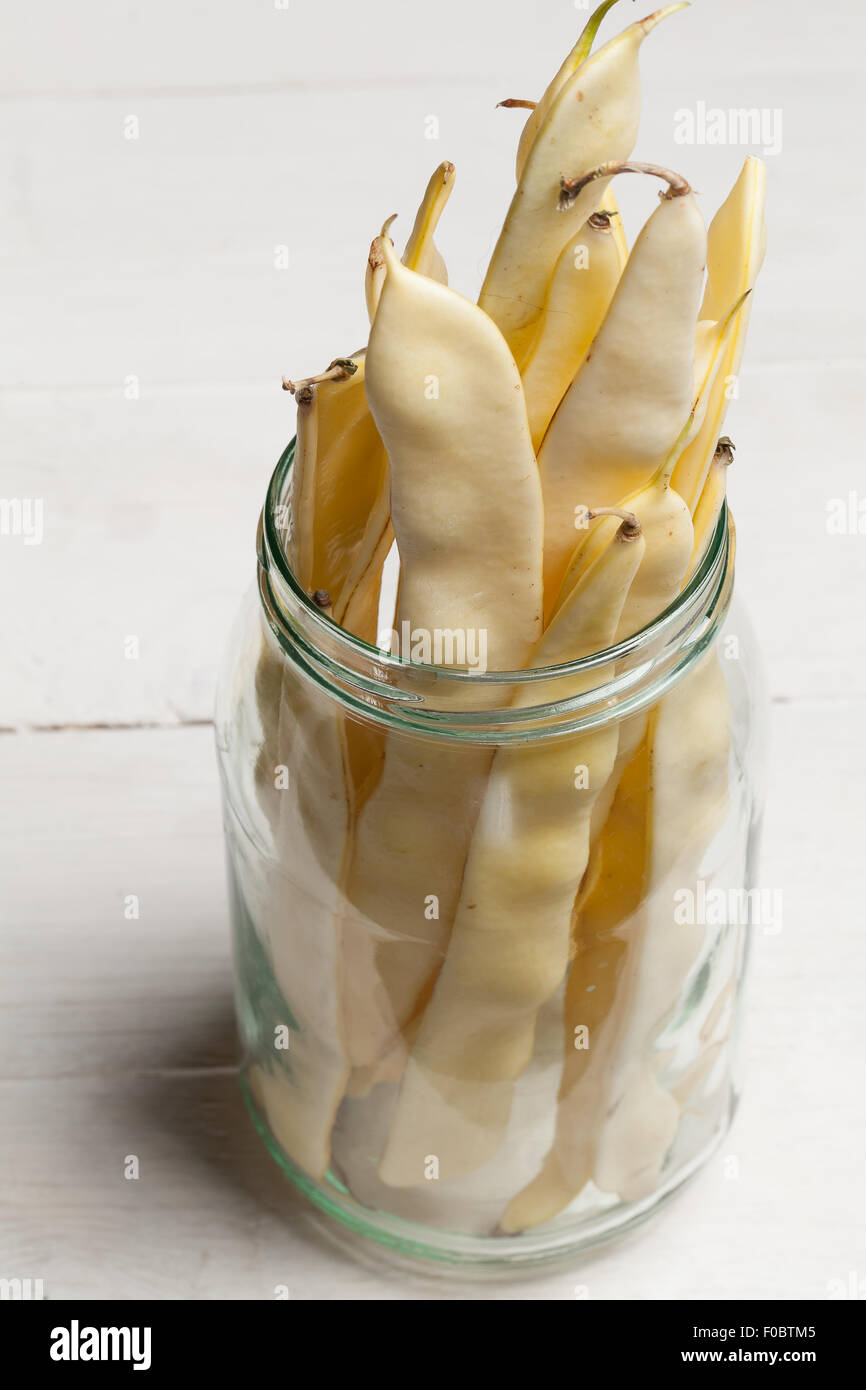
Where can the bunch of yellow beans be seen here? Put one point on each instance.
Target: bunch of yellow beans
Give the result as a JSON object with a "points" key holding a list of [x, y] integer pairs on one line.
{"points": [[546, 467]]}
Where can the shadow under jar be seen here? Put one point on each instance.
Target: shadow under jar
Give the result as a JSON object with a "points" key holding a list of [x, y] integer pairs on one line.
{"points": [[489, 929]]}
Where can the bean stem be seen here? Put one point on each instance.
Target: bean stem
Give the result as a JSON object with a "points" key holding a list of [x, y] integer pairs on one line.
{"points": [[322, 599], [630, 528], [340, 369], [571, 188], [601, 220]]}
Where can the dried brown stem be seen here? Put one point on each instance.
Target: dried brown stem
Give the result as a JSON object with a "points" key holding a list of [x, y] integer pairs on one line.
{"points": [[630, 529], [570, 189], [340, 369], [322, 599], [511, 102], [601, 220]]}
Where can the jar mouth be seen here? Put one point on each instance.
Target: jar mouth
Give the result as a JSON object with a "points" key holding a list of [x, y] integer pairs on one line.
{"points": [[375, 682]]}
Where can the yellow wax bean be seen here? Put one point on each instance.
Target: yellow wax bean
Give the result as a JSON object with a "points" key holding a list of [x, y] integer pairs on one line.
{"points": [[466, 510], [473, 1202], [350, 475], [421, 252], [592, 119], [508, 951], [663, 515], [465, 496], [670, 544], [736, 245], [735, 252], [338, 537], [711, 499], [344, 528], [625, 408], [298, 917], [374, 276], [331, 766], [338, 547], [593, 1000], [690, 750], [575, 59], [669, 540], [617, 880], [670, 550], [582, 287], [667, 525], [299, 534], [615, 1121], [610, 206], [301, 530], [357, 608]]}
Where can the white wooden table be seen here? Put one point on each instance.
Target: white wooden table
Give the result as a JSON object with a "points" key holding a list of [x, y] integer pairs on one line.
{"points": [[146, 327]]}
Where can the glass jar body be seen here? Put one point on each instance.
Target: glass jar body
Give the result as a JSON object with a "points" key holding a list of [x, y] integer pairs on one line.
{"points": [[489, 977]]}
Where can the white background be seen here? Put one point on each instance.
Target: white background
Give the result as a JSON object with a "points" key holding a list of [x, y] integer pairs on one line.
{"points": [[304, 125]]}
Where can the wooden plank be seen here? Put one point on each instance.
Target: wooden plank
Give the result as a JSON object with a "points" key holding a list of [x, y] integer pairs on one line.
{"points": [[210, 1216], [150, 514], [89, 820], [118, 1041]]}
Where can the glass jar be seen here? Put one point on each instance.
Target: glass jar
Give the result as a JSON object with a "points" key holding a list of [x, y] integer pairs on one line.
{"points": [[520, 1084]]}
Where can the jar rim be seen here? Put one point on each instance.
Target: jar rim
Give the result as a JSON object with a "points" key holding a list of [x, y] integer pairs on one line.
{"points": [[330, 655]]}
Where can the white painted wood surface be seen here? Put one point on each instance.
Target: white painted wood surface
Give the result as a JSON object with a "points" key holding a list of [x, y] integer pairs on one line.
{"points": [[263, 126]]}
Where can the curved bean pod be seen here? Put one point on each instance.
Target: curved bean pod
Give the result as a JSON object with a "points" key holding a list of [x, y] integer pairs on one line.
{"points": [[466, 510], [339, 535], [736, 243], [301, 1090], [576, 58], [508, 952], [614, 892], [615, 1121], [690, 749], [663, 515], [625, 408], [421, 252], [332, 764], [711, 499], [298, 537], [583, 284], [594, 1000], [350, 476], [593, 118]]}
